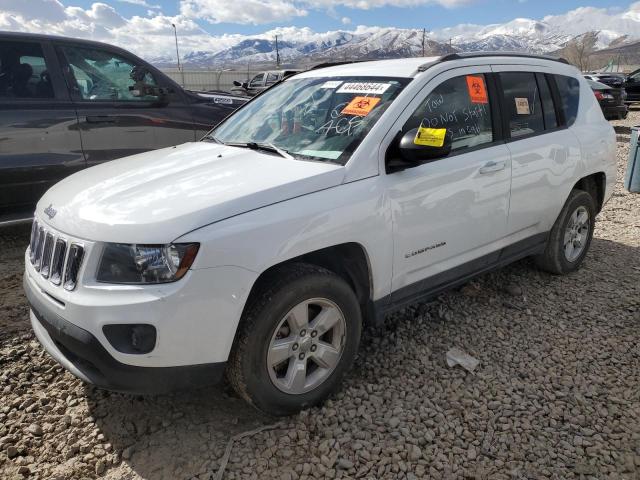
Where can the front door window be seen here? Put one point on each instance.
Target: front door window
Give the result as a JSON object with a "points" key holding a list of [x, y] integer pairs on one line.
{"points": [[104, 76]]}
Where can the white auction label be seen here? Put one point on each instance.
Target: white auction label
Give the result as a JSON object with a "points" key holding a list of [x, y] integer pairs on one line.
{"points": [[331, 84], [367, 87]]}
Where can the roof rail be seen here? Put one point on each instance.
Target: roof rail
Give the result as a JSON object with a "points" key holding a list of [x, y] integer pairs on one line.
{"points": [[460, 55], [334, 64]]}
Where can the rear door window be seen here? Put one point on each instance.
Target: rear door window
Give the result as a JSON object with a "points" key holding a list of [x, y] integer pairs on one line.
{"points": [[569, 91], [522, 105], [23, 71]]}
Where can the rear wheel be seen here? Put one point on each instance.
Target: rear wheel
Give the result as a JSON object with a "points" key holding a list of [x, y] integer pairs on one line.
{"points": [[570, 236], [298, 337]]}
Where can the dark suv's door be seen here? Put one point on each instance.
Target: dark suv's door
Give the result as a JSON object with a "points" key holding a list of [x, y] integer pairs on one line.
{"points": [[114, 121], [39, 137]]}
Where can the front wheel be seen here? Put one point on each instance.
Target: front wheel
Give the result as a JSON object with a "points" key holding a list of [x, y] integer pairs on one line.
{"points": [[570, 236], [298, 337]]}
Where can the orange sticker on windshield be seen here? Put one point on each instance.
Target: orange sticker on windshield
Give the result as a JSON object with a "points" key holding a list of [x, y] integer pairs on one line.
{"points": [[360, 106], [477, 90]]}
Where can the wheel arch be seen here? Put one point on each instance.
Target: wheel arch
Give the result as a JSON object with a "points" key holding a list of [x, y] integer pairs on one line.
{"points": [[595, 185], [348, 260]]}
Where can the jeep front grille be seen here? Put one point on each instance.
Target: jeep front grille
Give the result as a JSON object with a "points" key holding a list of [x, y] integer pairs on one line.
{"points": [[57, 262], [55, 257], [74, 260], [47, 251]]}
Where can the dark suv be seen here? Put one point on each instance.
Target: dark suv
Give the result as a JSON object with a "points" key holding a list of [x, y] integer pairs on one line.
{"points": [[68, 104]]}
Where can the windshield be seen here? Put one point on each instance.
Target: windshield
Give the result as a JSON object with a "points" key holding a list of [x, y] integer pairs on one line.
{"points": [[321, 118]]}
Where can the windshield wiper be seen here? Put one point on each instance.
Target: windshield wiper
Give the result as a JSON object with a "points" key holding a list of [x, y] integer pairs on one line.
{"points": [[265, 147]]}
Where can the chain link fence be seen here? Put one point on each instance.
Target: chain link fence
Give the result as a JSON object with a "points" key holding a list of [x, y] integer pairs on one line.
{"points": [[209, 79]]}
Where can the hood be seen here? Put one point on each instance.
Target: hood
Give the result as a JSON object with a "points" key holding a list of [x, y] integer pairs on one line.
{"points": [[155, 197]]}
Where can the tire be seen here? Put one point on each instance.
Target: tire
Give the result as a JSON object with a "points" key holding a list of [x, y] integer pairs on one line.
{"points": [[559, 258], [270, 318]]}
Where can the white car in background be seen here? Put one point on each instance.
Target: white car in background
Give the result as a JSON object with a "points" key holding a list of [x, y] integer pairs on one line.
{"points": [[318, 207]]}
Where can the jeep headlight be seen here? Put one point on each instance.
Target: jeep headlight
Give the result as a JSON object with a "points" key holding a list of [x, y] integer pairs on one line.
{"points": [[137, 263]]}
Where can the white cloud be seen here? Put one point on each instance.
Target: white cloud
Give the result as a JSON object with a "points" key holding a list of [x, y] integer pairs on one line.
{"points": [[345, 20], [241, 11], [268, 11], [370, 4], [51, 10], [142, 3]]}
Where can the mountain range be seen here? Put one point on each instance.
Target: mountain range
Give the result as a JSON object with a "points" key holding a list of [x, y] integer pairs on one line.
{"points": [[302, 47]]}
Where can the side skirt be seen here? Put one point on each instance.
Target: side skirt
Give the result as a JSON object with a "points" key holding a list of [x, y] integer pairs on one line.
{"points": [[433, 286]]}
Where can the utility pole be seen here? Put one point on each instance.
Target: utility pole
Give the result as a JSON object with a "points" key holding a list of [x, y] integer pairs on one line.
{"points": [[175, 33], [424, 31], [277, 54]]}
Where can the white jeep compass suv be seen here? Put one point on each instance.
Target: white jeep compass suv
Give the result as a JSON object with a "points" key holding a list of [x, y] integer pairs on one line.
{"points": [[332, 198]]}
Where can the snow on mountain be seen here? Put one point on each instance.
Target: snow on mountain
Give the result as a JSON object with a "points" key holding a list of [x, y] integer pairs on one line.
{"points": [[303, 46]]}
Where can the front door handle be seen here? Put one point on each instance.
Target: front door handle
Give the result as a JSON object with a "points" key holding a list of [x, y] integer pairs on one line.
{"points": [[100, 119], [492, 166]]}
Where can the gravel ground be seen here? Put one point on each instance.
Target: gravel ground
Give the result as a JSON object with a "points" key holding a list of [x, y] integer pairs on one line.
{"points": [[556, 395]]}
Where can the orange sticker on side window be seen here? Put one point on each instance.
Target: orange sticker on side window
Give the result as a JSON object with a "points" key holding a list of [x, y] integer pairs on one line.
{"points": [[360, 106], [477, 90]]}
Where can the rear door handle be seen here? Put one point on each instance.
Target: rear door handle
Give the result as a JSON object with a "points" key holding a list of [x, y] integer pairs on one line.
{"points": [[492, 166], [100, 119]]}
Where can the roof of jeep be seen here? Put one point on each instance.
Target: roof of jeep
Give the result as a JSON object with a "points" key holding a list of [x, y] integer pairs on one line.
{"points": [[410, 67], [398, 67]]}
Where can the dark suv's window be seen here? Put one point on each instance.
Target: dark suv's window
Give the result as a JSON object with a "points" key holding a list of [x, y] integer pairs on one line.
{"points": [[523, 108], [569, 90], [461, 106], [102, 75], [23, 71]]}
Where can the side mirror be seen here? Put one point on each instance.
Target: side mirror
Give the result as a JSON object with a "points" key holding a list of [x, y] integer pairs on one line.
{"points": [[424, 144], [237, 83]]}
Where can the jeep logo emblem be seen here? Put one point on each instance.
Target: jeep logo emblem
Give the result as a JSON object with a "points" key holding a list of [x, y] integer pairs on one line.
{"points": [[50, 211]]}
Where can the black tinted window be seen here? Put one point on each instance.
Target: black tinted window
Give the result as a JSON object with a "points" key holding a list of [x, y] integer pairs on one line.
{"points": [[461, 106], [569, 90], [522, 103], [550, 119], [23, 71]]}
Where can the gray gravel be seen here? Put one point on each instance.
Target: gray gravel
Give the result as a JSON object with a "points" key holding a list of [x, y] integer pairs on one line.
{"points": [[556, 394]]}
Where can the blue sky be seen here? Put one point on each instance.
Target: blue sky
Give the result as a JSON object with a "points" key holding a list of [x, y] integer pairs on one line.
{"points": [[430, 16]]}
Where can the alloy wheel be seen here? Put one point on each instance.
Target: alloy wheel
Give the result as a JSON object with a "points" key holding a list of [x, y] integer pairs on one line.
{"points": [[306, 346]]}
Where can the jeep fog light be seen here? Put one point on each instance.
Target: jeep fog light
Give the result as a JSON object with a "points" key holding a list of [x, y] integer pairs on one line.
{"points": [[145, 264]]}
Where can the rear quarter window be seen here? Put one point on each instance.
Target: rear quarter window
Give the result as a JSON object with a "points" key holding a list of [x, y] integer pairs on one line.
{"points": [[569, 91]]}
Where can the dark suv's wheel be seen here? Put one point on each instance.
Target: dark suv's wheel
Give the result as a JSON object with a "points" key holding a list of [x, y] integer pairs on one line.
{"points": [[297, 338], [571, 235]]}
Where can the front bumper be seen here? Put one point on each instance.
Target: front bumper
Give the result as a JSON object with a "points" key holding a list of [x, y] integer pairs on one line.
{"points": [[84, 356]]}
